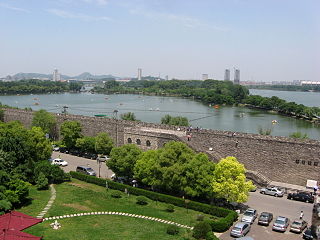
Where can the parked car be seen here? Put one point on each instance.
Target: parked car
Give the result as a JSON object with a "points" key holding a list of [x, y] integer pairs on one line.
{"points": [[249, 216], [301, 196], [298, 226], [281, 224], [86, 170], [273, 191], [240, 229], [103, 158], [265, 218], [55, 148], [59, 162], [63, 150], [307, 234]]}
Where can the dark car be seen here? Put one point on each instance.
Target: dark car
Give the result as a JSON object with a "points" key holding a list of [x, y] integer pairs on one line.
{"points": [[301, 196], [265, 218], [307, 234], [63, 150]]}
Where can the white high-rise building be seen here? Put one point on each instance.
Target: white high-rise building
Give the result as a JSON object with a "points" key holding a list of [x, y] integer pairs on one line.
{"points": [[227, 75], [56, 76], [236, 76], [205, 76], [139, 73]]}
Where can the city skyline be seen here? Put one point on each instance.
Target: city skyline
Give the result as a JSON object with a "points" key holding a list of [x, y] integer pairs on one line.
{"points": [[182, 39]]}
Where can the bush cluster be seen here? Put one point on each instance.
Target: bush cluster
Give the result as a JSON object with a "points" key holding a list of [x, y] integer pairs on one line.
{"points": [[201, 229], [141, 200], [173, 229], [228, 216], [116, 194], [170, 208]]}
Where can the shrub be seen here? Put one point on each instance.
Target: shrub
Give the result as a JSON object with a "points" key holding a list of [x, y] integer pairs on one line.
{"points": [[173, 229], [116, 194], [42, 182], [141, 200], [201, 229], [170, 208], [5, 205], [211, 236], [200, 217]]}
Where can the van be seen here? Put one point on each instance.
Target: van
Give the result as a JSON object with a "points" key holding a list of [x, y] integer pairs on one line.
{"points": [[86, 170]]}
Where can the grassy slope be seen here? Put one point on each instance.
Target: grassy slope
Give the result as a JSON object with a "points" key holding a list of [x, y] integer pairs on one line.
{"points": [[78, 196]]}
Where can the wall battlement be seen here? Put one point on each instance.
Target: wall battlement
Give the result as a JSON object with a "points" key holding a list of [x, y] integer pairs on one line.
{"points": [[279, 159]]}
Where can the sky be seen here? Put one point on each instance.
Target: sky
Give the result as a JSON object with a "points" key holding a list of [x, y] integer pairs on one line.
{"points": [[268, 40]]}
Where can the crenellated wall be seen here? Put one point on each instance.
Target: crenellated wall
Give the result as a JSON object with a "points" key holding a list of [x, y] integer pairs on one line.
{"points": [[275, 158]]}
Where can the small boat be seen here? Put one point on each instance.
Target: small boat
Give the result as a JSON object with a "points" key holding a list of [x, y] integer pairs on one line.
{"points": [[274, 121], [216, 106], [36, 103], [100, 115], [121, 104], [35, 98]]}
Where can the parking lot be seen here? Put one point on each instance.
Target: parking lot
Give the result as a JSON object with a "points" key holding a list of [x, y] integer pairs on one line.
{"points": [[74, 161], [279, 207]]}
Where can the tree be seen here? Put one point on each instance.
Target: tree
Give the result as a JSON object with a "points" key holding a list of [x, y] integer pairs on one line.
{"points": [[128, 116], [71, 131], [176, 168], [123, 160], [201, 229], [41, 145], [42, 182], [176, 121], [46, 121], [103, 144], [86, 144], [229, 180]]}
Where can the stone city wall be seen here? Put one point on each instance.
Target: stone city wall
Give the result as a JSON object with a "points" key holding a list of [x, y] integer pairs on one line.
{"points": [[276, 158]]}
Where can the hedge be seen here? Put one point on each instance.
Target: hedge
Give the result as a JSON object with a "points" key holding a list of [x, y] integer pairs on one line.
{"points": [[227, 216]]}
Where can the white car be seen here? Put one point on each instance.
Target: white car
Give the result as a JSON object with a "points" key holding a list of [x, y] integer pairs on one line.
{"points": [[273, 191], [103, 158], [249, 215], [59, 162]]}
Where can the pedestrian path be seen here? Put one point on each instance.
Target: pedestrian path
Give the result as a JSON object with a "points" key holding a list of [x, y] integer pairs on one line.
{"points": [[50, 202], [119, 214]]}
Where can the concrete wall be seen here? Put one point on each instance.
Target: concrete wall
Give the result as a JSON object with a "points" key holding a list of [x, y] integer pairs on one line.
{"points": [[276, 158]]}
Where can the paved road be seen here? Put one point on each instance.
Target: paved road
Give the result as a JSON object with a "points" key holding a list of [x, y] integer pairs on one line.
{"points": [[279, 207], [74, 161]]}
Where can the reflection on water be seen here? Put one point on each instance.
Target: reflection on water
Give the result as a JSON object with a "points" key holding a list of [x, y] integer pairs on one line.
{"points": [[153, 108]]}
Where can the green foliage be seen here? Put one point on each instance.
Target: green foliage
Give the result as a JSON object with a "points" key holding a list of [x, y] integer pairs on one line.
{"points": [[5, 206], [201, 229], [264, 131], [42, 182], [229, 180], [1, 115], [141, 200], [116, 194], [71, 131], [37, 86], [46, 121], [170, 208], [103, 144], [200, 217], [299, 135], [86, 144], [211, 236], [172, 229], [123, 160], [175, 168], [42, 148], [175, 121], [229, 215], [129, 116], [53, 173]]}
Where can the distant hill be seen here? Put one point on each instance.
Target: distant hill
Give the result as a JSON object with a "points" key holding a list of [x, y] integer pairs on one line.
{"points": [[82, 76]]}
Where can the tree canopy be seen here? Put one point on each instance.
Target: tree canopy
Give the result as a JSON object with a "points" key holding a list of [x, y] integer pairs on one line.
{"points": [[229, 180], [129, 116], [103, 143], [46, 121], [175, 121], [71, 131]]}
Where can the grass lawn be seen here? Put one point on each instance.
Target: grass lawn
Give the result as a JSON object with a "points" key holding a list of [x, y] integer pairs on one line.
{"points": [[78, 197]]}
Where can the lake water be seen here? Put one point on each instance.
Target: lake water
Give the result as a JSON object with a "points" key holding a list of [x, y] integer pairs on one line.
{"points": [[153, 108], [311, 99]]}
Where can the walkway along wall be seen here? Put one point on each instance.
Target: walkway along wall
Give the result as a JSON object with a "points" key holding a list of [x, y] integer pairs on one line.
{"points": [[276, 158]]}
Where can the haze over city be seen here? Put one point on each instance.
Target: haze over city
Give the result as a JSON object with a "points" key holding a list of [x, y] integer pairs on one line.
{"points": [[268, 40]]}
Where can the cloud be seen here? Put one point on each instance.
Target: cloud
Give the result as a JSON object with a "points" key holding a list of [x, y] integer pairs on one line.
{"points": [[70, 15], [186, 21], [3, 5]]}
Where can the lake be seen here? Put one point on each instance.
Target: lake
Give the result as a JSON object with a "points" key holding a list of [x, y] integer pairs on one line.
{"points": [[153, 108]]}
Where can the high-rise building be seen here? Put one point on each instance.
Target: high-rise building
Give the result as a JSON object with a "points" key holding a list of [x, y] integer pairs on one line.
{"points": [[56, 76], [227, 75], [205, 76], [236, 76], [139, 73]]}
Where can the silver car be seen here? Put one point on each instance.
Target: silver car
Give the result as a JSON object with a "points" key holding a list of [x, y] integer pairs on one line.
{"points": [[298, 225], [240, 229], [249, 216], [273, 191], [280, 224]]}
